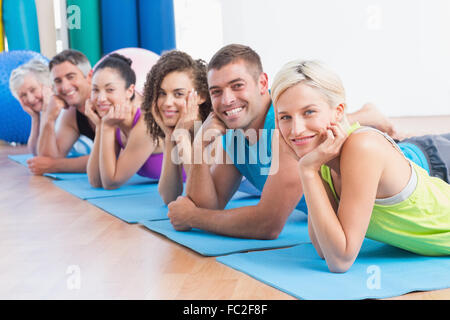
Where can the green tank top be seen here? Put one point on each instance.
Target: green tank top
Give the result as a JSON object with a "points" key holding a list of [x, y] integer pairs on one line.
{"points": [[418, 222]]}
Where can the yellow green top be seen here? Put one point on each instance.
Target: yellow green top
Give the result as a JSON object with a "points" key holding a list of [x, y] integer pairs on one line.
{"points": [[420, 223]]}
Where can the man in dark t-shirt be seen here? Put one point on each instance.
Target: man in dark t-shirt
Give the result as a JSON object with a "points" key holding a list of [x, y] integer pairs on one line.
{"points": [[71, 75]]}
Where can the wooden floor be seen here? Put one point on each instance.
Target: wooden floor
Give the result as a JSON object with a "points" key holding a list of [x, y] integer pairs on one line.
{"points": [[51, 242]]}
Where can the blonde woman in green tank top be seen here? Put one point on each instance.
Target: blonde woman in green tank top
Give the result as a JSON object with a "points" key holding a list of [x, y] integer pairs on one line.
{"points": [[356, 181]]}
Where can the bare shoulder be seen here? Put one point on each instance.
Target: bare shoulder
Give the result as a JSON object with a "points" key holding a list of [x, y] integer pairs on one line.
{"points": [[367, 141], [69, 118], [141, 128], [363, 150], [69, 114]]}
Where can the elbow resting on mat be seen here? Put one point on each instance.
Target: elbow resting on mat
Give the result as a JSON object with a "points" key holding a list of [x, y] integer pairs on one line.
{"points": [[340, 264], [111, 185], [340, 267]]}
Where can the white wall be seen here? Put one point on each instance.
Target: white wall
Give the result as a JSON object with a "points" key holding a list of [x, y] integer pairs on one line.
{"points": [[395, 53], [198, 27]]}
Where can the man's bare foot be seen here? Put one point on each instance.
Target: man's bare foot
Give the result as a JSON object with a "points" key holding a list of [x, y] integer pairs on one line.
{"points": [[369, 115]]}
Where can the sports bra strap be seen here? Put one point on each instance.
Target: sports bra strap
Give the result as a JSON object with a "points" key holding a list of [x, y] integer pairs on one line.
{"points": [[412, 183], [135, 120], [362, 129]]}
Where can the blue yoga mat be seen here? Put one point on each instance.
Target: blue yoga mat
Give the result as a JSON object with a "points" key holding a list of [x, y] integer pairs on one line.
{"points": [[22, 159], [134, 208], [208, 244], [66, 175], [147, 206], [380, 271], [83, 190]]}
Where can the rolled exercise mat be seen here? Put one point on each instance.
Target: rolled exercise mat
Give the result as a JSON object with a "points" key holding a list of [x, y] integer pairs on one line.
{"points": [[119, 25], [156, 25], [20, 23], [83, 22], [2, 34], [46, 25]]}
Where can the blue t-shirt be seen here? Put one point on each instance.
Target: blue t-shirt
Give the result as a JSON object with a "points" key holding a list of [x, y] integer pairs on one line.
{"points": [[254, 161]]}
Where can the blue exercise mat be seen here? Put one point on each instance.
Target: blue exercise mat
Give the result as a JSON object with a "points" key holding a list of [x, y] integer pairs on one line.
{"points": [[66, 175], [83, 190], [134, 208], [147, 206], [208, 244], [380, 271], [22, 159]]}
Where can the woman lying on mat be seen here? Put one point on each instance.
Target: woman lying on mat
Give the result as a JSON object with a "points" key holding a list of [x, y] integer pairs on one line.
{"points": [[175, 97], [30, 84], [355, 180], [122, 146]]}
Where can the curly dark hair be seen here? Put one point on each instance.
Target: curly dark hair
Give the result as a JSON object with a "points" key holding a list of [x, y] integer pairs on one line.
{"points": [[171, 61]]}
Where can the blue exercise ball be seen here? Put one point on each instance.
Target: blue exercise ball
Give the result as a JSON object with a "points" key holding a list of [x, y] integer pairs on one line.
{"points": [[15, 124]]}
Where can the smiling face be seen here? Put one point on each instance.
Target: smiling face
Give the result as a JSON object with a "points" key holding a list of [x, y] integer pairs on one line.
{"points": [[70, 84], [172, 96], [302, 114], [109, 89], [30, 93], [236, 97]]}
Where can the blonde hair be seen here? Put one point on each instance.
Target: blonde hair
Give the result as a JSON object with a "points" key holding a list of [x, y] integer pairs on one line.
{"points": [[311, 73], [37, 67]]}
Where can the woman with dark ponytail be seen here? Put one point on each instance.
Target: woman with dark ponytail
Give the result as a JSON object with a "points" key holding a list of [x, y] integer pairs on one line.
{"points": [[122, 146]]}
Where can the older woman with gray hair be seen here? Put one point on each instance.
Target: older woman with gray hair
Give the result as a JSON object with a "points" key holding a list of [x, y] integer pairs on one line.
{"points": [[30, 84]]}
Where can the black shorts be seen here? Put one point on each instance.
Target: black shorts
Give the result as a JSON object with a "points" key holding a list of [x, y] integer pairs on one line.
{"points": [[436, 148]]}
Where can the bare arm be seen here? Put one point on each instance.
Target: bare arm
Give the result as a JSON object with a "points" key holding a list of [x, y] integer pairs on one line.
{"points": [[40, 164], [219, 181], [34, 134], [339, 235], [114, 170], [93, 167], [280, 196], [170, 184], [312, 234], [57, 144]]}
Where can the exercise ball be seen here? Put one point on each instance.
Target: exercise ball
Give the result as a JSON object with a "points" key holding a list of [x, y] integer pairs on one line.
{"points": [[143, 61], [15, 124]]}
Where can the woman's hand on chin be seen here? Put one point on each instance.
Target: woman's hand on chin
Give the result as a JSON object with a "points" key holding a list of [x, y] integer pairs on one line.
{"points": [[333, 138]]}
